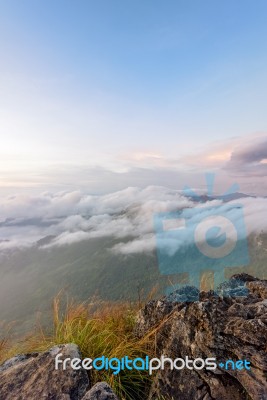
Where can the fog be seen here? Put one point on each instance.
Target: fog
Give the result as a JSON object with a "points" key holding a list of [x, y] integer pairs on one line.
{"points": [[71, 217]]}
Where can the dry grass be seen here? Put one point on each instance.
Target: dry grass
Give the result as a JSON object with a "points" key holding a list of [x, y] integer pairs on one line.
{"points": [[6, 346], [98, 328]]}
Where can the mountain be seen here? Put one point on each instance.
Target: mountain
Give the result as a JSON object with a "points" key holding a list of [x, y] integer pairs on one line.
{"points": [[31, 277], [115, 257], [211, 349], [224, 197]]}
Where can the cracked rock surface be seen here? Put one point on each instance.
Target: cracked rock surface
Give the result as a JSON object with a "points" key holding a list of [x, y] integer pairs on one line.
{"points": [[100, 391], [225, 327], [33, 377]]}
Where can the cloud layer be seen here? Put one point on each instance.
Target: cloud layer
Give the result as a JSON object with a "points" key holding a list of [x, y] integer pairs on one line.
{"points": [[126, 215]]}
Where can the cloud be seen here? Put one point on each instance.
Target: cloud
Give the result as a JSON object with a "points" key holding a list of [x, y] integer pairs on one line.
{"points": [[255, 210], [73, 216], [250, 158], [126, 215], [144, 244], [244, 157], [67, 238]]}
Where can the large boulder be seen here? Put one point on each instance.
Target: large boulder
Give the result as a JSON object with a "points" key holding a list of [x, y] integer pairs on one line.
{"points": [[224, 326], [33, 377]]}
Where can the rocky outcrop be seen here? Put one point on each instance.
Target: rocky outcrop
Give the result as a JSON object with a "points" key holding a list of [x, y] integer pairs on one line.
{"points": [[228, 325], [222, 326], [33, 376], [100, 391]]}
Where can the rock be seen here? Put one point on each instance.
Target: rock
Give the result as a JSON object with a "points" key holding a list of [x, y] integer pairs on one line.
{"points": [[154, 313], [33, 376], [100, 391], [222, 327], [219, 325]]}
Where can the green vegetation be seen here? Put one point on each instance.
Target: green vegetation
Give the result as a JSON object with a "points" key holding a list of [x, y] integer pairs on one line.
{"points": [[30, 278], [84, 269]]}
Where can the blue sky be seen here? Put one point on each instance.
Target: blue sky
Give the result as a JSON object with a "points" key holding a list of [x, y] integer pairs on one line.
{"points": [[124, 84]]}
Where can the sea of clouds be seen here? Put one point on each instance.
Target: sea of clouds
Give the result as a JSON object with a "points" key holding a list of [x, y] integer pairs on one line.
{"points": [[127, 215]]}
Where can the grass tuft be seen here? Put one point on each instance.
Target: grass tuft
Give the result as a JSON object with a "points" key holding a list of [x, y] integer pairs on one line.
{"points": [[99, 329]]}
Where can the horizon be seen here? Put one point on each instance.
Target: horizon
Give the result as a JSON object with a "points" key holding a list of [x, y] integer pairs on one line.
{"points": [[103, 96]]}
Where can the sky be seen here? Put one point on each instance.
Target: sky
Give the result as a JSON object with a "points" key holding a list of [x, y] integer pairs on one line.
{"points": [[102, 95]]}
